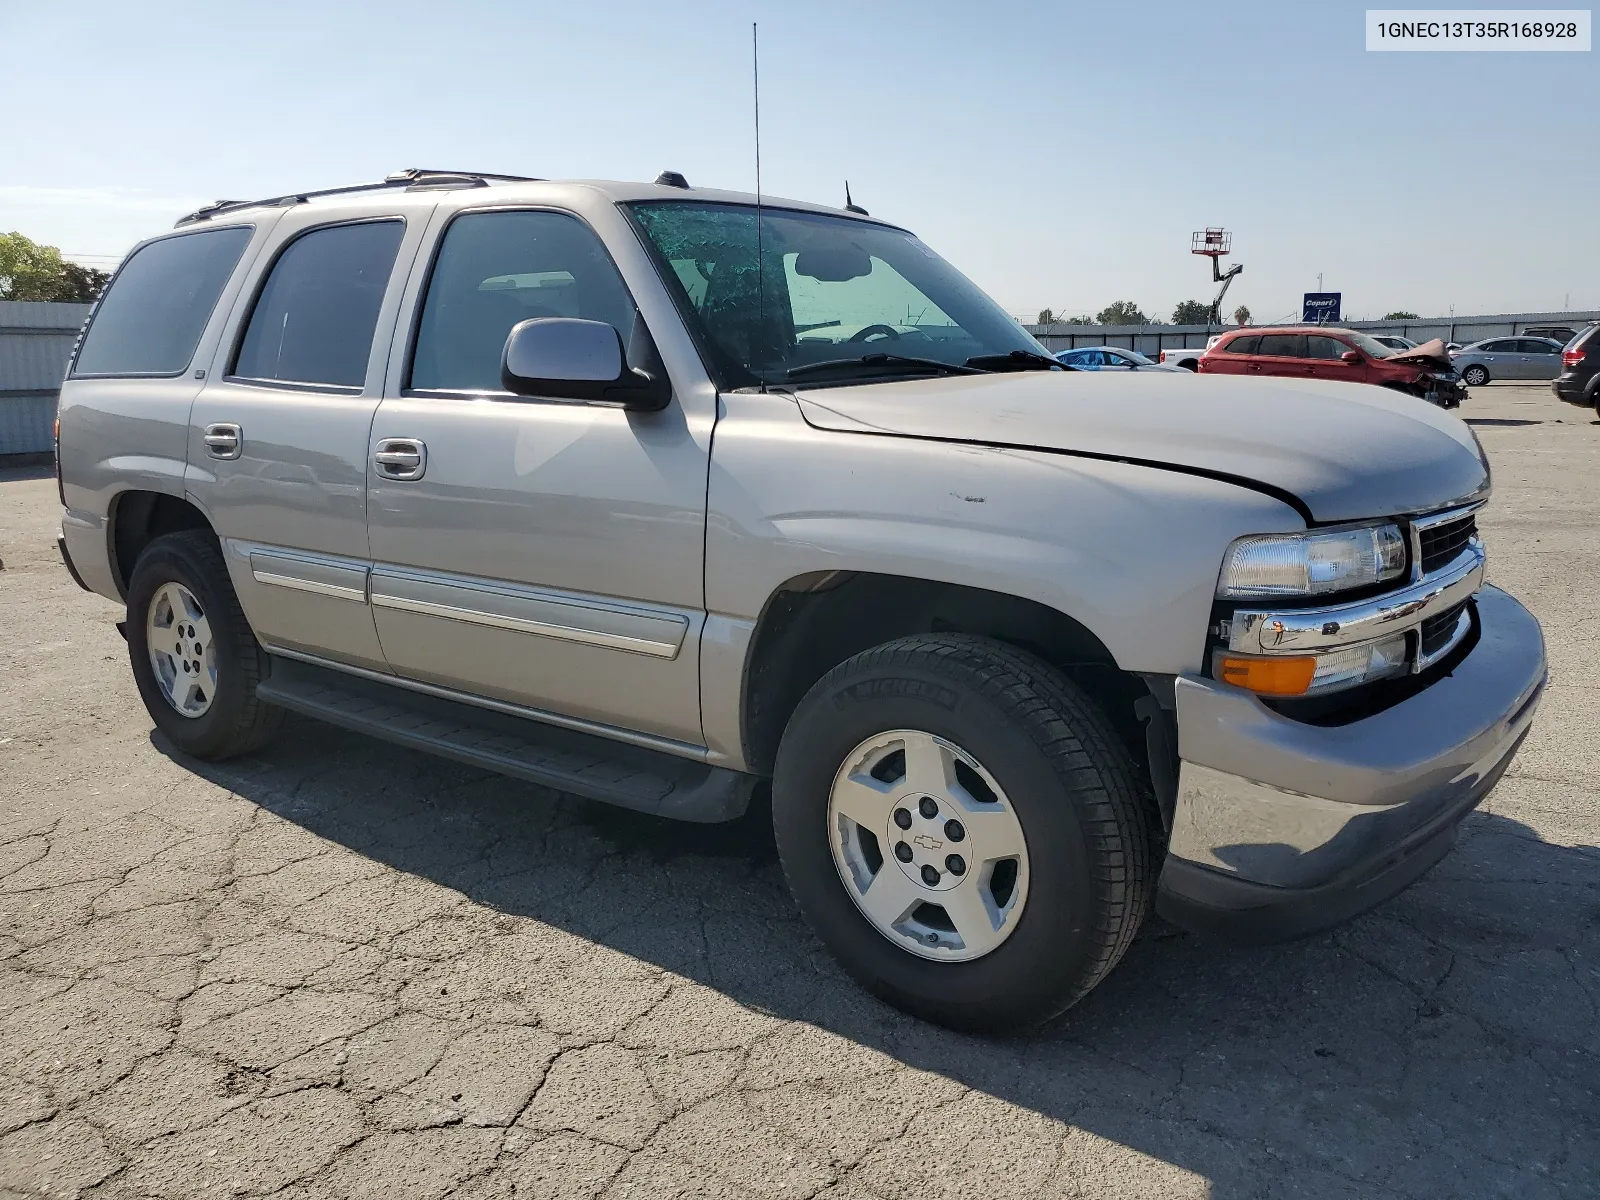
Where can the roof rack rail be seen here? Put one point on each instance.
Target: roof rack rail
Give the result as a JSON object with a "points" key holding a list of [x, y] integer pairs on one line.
{"points": [[411, 178]]}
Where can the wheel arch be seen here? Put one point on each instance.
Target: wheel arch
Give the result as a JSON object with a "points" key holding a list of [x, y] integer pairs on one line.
{"points": [[137, 518], [813, 622]]}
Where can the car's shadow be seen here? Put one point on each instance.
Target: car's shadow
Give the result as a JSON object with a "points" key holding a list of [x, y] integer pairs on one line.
{"points": [[1445, 1045]]}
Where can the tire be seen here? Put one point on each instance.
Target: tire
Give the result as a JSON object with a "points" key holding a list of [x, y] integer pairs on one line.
{"points": [[1190, 364], [1475, 375], [1090, 857], [226, 717]]}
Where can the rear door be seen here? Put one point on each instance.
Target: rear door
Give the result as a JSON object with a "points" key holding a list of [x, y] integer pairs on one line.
{"points": [[278, 436], [1282, 354], [1541, 358], [544, 553]]}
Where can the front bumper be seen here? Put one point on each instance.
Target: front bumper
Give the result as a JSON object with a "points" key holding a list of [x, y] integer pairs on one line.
{"points": [[1284, 828]]}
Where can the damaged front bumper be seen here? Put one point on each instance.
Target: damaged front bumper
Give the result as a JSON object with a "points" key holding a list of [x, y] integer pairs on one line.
{"points": [[1283, 828]]}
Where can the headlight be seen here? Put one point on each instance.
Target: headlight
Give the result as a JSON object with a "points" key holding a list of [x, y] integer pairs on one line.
{"points": [[1315, 563]]}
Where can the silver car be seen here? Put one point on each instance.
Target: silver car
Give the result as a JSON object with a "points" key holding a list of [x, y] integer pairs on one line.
{"points": [[1507, 358]]}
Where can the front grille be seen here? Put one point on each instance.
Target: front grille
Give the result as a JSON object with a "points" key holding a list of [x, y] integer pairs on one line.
{"points": [[1437, 630], [1442, 543]]}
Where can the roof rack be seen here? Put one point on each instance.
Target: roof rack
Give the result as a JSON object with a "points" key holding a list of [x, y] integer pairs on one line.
{"points": [[412, 179]]}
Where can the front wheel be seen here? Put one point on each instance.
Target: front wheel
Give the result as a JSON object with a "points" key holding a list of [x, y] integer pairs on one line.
{"points": [[963, 829], [1475, 376], [195, 659]]}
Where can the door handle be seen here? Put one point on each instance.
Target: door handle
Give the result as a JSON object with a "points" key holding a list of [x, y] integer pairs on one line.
{"points": [[400, 458], [223, 441]]}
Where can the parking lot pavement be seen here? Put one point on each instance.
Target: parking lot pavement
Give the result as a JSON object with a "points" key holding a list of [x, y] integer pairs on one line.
{"points": [[342, 969]]}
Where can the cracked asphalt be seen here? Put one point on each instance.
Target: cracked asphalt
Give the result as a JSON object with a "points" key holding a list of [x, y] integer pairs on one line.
{"points": [[339, 969]]}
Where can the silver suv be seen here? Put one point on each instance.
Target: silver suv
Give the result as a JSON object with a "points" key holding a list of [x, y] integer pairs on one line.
{"points": [[649, 494]]}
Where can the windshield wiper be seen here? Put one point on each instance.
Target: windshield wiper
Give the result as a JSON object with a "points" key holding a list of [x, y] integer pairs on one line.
{"points": [[1017, 360], [917, 365]]}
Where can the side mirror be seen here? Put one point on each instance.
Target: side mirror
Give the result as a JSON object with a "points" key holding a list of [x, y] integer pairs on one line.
{"points": [[1351, 356], [570, 359]]}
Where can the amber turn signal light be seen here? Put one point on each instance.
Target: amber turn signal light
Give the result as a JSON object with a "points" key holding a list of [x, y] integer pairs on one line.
{"points": [[1275, 676]]}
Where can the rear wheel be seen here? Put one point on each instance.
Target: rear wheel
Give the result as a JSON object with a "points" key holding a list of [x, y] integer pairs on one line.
{"points": [[963, 829], [1475, 376], [194, 657]]}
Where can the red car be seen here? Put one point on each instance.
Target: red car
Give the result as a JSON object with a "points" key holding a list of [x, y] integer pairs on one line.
{"points": [[1317, 352]]}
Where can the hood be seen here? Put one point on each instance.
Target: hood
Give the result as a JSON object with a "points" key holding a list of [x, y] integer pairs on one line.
{"points": [[1345, 451], [1429, 354]]}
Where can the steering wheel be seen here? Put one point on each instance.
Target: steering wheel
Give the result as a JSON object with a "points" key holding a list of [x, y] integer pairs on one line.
{"points": [[862, 335]]}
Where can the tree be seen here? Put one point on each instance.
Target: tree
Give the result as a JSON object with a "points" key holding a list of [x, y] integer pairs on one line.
{"points": [[29, 271], [1191, 312], [1047, 316], [79, 284], [1121, 312], [1241, 315], [1400, 316]]}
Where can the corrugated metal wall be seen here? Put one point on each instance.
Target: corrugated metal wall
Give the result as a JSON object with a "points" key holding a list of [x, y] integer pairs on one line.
{"points": [[35, 343]]}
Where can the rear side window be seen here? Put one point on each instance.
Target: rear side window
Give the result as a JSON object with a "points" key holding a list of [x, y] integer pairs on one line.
{"points": [[497, 269], [151, 320], [1242, 345], [1283, 345], [314, 319]]}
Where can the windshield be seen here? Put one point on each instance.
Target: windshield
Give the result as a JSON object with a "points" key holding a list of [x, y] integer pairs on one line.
{"points": [[843, 301], [1368, 343]]}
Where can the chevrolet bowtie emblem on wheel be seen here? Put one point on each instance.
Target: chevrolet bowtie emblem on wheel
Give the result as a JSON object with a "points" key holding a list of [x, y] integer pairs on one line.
{"points": [[926, 842]]}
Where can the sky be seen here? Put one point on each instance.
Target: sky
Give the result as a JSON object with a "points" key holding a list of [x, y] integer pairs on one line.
{"points": [[1060, 154]]}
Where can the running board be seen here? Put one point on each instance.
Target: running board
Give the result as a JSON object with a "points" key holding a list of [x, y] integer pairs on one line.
{"points": [[564, 760]]}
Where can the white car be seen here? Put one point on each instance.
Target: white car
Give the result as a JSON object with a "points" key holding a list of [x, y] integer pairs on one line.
{"points": [[1394, 341]]}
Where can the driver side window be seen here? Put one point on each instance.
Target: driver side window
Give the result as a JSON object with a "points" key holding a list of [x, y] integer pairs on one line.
{"points": [[496, 269]]}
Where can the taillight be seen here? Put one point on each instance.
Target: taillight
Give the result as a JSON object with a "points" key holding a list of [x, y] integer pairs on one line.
{"points": [[1571, 357], [61, 488]]}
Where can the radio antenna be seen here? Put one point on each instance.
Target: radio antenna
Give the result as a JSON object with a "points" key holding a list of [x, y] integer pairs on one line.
{"points": [[761, 279]]}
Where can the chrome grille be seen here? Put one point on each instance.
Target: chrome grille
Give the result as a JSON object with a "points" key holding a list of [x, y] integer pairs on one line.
{"points": [[1438, 633], [1439, 544]]}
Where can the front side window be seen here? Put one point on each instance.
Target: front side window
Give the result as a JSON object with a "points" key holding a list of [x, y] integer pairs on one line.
{"points": [[1535, 346], [1320, 346], [496, 269], [314, 319], [151, 319], [841, 300]]}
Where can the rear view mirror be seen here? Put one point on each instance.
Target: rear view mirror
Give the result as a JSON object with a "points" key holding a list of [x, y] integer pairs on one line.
{"points": [[834, 264], [1351, 356], [569, 359]]}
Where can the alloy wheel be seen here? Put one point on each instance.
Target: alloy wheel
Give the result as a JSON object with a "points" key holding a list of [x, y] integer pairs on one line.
{"points": [[181, 651], [928, 846]]}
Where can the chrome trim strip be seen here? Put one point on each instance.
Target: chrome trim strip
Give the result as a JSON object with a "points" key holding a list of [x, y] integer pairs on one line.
{"points": [[499, 605], [321, 575], [1299, 631], [566, 633], [1445, 516], [630, 737], [308, 585]]}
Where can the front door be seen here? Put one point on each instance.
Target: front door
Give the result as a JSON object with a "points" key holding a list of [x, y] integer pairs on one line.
{"points": [[278, 435], [1325, 360], [544, 553]]}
